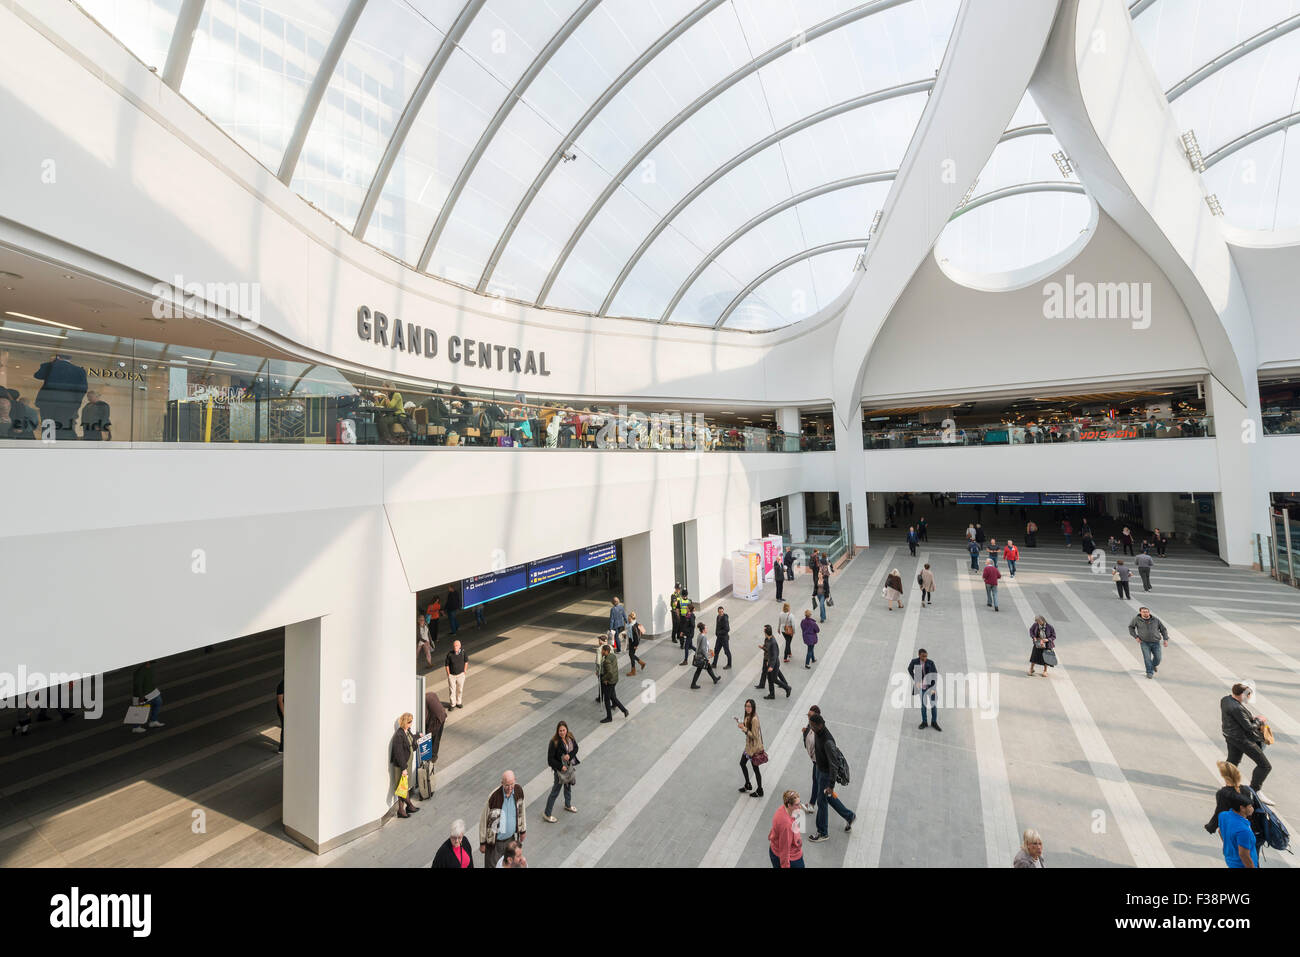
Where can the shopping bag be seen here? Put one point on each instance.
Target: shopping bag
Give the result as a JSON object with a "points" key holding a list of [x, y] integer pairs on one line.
{"points": [[137, 714], [403, 787], [1049, 657]]}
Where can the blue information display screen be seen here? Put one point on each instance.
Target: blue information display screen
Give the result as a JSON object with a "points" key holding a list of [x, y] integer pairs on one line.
{"points": [[976, 498], [481, 588], [595, 555], [1017, 498], [549, 569], [1061, 498]]}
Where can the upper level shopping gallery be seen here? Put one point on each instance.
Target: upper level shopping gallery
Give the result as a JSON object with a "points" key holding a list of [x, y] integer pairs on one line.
{"points": [[309, 306]]}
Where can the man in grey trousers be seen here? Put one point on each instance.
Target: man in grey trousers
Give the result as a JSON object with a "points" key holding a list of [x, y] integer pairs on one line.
{"points": [[1144, 566], [1150, 633]]}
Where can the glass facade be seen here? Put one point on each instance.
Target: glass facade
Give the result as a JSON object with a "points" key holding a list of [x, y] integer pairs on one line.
{"points": [[664, 161], [1232, 72], [62, 385]]}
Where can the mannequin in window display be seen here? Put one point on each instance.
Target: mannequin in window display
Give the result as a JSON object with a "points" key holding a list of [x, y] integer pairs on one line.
{"points": [[95, 421], [64, 386], [24, 421], [6, 415]]}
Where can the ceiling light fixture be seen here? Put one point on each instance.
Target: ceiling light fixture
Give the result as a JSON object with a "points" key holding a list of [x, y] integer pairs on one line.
{"points": [[1063, 163], [1216, 207], [48, 322], [29, 332]]}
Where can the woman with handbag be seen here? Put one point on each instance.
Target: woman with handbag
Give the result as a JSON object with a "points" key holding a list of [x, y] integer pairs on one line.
{"points": [[1043, 636], [1121, 577], [753, 753], [401, 749], [786, 625], [562, 756], [894, 589]]}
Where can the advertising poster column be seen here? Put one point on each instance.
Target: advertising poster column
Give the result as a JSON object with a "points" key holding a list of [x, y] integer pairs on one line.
{"points": [[746, 577]]}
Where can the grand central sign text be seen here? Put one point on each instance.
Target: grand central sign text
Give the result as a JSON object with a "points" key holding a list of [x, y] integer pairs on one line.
{"points": [[408, 337]]}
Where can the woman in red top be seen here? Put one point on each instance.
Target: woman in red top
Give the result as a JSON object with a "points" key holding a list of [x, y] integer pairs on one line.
{"points": [[1012, 555], [784, 843]]}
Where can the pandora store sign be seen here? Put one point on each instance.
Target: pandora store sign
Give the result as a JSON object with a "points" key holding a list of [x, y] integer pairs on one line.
{"points": [[391, 333]]}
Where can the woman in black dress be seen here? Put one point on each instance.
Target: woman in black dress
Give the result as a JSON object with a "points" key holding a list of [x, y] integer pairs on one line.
{"points": [[1043, 637]]}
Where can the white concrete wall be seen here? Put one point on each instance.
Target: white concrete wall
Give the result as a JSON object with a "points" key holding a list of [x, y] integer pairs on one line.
{"points": [[945, 338]]}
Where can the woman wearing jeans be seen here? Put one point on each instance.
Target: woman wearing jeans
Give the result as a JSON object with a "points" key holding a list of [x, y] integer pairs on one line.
{"points": [[785, 624], [561, 755], [784, 844]]}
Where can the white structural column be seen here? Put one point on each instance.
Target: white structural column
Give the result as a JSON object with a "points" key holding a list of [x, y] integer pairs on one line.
{"points": [[787, 420], [991, 55], [851, 473], [348, 677], [1099, 93], [648, 577]]}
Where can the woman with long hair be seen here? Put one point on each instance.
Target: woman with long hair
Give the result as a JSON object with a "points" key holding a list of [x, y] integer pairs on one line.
{"points": [[786, 625], [562, 756], [753, 753]]}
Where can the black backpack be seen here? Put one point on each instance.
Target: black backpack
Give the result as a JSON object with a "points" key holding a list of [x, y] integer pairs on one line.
{"points": [[1268, 827], [839, 763]]}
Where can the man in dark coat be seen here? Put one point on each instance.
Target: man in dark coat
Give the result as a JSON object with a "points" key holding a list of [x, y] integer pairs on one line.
{"points": [[60, 396]]}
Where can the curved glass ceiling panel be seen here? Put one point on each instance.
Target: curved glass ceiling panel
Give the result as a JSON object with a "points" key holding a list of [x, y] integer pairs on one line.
{"points": [[796, 292], [1014, 232], [584, 286], [381, 66], [144, 27], [497, 48], [704, 54], [839, 215], [1025, 159], [1247, 93], [1259, 185], [252, 63], [708, 296], [690, 153], [604, 45], [1181, 36]]}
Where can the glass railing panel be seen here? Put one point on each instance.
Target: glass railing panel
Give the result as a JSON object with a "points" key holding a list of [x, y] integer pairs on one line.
{"points": [[1112, 430]]}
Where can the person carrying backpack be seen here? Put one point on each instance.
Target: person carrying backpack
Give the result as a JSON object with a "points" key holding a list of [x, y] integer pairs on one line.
{"points": [[635, 632], [974, 549], [830, 767]]}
